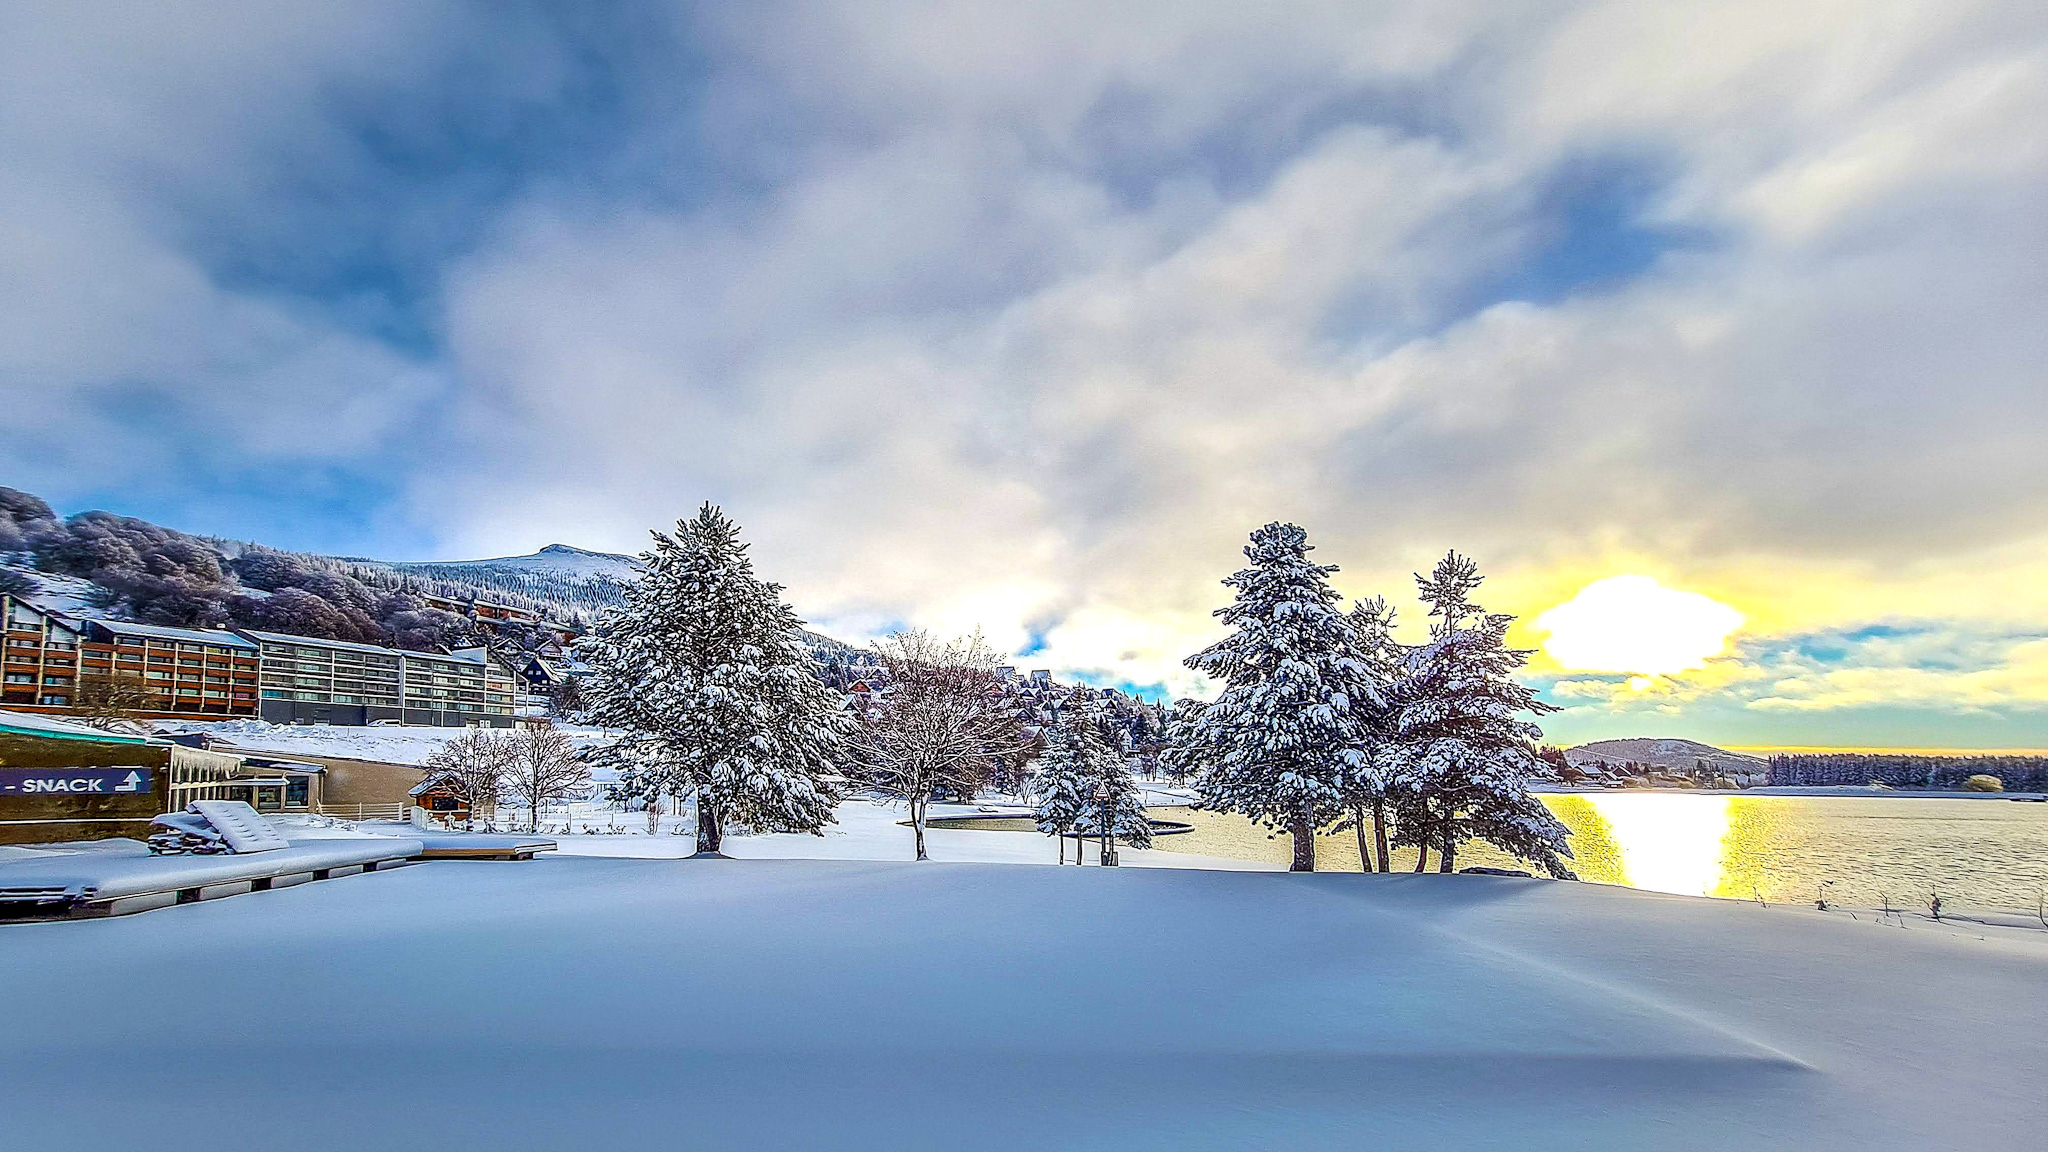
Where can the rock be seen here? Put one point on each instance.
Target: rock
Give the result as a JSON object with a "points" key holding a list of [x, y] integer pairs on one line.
{"points": [[1983, 783]]}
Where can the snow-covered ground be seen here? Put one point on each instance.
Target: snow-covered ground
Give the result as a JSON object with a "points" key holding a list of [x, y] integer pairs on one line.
{"points": [[391, 745], [867, 830], [578, 1003]]}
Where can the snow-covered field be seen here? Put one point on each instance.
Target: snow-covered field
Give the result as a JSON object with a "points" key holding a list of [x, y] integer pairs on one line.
{"points": [[391, 745], [866, 831], [579, 1003]]}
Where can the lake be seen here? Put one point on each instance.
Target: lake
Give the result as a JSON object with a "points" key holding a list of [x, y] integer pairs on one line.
{"points": [[1987, 853]]}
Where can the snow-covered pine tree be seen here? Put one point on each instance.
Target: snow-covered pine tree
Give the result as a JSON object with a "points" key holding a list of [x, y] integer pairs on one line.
{"points": [[1063, 784], [1284, 737], [706, 675], [1463, 761], [1366, 786], [1180, 754], [1123, 812]]}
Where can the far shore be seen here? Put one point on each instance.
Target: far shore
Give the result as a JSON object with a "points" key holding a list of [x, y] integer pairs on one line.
{"points": [[1848, 790]]}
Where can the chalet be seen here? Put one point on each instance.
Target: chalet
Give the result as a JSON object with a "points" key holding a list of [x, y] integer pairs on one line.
{"points": [[443, 797]]}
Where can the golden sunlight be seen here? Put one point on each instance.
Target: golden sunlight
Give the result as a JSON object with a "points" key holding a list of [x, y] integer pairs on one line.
{"points": [[1634, 624]]}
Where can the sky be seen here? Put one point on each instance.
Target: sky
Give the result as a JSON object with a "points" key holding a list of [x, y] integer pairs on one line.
{"points": [[1714, 333]]}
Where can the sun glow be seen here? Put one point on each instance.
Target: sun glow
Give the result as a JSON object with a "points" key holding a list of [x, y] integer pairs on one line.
{"points": [[1634, 624]]}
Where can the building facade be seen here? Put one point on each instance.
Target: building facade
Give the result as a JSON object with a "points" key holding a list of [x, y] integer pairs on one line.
{"points": [[309, 680], [188, 672]]}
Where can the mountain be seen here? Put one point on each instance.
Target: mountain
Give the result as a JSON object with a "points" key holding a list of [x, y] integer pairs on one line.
{"points": [[556, 559], [1665, 753]]}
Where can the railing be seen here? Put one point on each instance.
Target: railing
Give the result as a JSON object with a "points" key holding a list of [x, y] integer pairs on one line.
{"points": [[364, 811]]}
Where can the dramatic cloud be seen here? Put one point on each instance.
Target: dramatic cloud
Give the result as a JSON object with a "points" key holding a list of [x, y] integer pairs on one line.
{"points": [[1024, 315]]}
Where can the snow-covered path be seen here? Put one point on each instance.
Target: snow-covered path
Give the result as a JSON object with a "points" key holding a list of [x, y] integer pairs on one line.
{"points": [[578, 1003]]}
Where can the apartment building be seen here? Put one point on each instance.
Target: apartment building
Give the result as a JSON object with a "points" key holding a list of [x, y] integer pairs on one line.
{"points": [[310, 680], [193, 673]]}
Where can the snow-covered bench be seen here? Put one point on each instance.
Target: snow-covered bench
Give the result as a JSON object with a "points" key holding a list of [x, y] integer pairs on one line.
{"points": [[108, 879]]}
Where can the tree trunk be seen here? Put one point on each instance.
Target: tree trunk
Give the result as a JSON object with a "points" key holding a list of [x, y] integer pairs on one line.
{"points": [[1061, 837], [1422, 854], [710, 830], [1304, 845], [1447, 856], [1379, 834], [917, 826], [1358, 827]]}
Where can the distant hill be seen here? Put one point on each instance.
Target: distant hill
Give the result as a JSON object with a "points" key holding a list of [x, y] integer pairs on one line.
{"points": [[99, 563], [570, 584], [560, 560], [1662, 753]]}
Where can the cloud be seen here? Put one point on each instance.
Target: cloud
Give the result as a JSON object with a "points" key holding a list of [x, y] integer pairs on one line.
{"points": [[1025, 315]]}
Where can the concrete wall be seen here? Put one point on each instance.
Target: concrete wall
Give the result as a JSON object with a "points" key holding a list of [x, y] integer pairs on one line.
{"points": [[349, 781]]}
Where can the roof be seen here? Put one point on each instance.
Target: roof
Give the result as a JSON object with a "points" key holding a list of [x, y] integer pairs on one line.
{"points": [[321, 642], [188, 635], [29, 724], [435, 781]]}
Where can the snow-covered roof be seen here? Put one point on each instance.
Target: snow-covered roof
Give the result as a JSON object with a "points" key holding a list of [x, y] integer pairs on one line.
{"points": [[320, 642], [30, 724], [186, 635], [433, 781]]}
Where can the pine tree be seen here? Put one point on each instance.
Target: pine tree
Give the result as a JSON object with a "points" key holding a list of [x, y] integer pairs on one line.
{"points": [[704, 671], [1063, 784], [1463, 761], [1122, 812], [1283, 740], [1366, 786]]}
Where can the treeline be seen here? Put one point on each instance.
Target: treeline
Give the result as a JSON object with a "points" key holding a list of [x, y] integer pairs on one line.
{"points": [[2019, 773]]}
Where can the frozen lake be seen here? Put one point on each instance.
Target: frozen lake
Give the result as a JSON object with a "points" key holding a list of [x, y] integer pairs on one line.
{"points": [[1978, 853]]}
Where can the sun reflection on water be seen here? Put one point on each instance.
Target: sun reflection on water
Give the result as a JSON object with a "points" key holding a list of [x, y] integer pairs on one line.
{"points": [[1662, 843]]}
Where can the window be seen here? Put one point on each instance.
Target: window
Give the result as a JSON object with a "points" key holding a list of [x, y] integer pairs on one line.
{"points": [[57, 701], [21, 677], [57, 681]]}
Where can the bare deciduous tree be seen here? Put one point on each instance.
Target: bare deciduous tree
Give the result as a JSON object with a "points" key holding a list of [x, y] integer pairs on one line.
{"points": [[478, 762], [107, 698], [942, 723], [544, 770]]}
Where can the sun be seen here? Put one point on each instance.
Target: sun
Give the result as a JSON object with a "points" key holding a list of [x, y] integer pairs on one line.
{"points": [[1634, 624]]}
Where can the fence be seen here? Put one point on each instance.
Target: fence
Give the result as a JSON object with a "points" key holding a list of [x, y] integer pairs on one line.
{"points": [[364, 811]]}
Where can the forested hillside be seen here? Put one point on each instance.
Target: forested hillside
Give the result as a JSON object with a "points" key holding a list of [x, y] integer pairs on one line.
{"points": [[156, 575]]}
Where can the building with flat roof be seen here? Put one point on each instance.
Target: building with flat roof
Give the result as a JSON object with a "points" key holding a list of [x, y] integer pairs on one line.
{"points": [[305, 679], [189, 673]]}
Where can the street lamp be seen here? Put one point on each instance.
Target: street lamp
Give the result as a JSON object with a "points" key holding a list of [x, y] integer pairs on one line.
{"points": [[1108, 835]]}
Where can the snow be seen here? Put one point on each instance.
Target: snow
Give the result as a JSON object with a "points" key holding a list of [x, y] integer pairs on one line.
{"points": [[772, 1004], [867, 829], [110, 870], [556, 559], [391, 745], [66, 595]]}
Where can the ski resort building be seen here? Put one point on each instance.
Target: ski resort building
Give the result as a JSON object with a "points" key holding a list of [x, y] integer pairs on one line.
{"points": [[48, 657], [309, 680]]}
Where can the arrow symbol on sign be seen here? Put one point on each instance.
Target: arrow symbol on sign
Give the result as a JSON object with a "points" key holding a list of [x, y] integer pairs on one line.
{"points": [[131, 784]]}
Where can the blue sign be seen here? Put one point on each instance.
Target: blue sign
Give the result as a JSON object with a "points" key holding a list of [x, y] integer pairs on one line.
{"points": [[75, 781]]}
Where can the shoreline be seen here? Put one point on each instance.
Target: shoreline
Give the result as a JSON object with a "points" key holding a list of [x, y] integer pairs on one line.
{"points": [[1809, 790]]}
